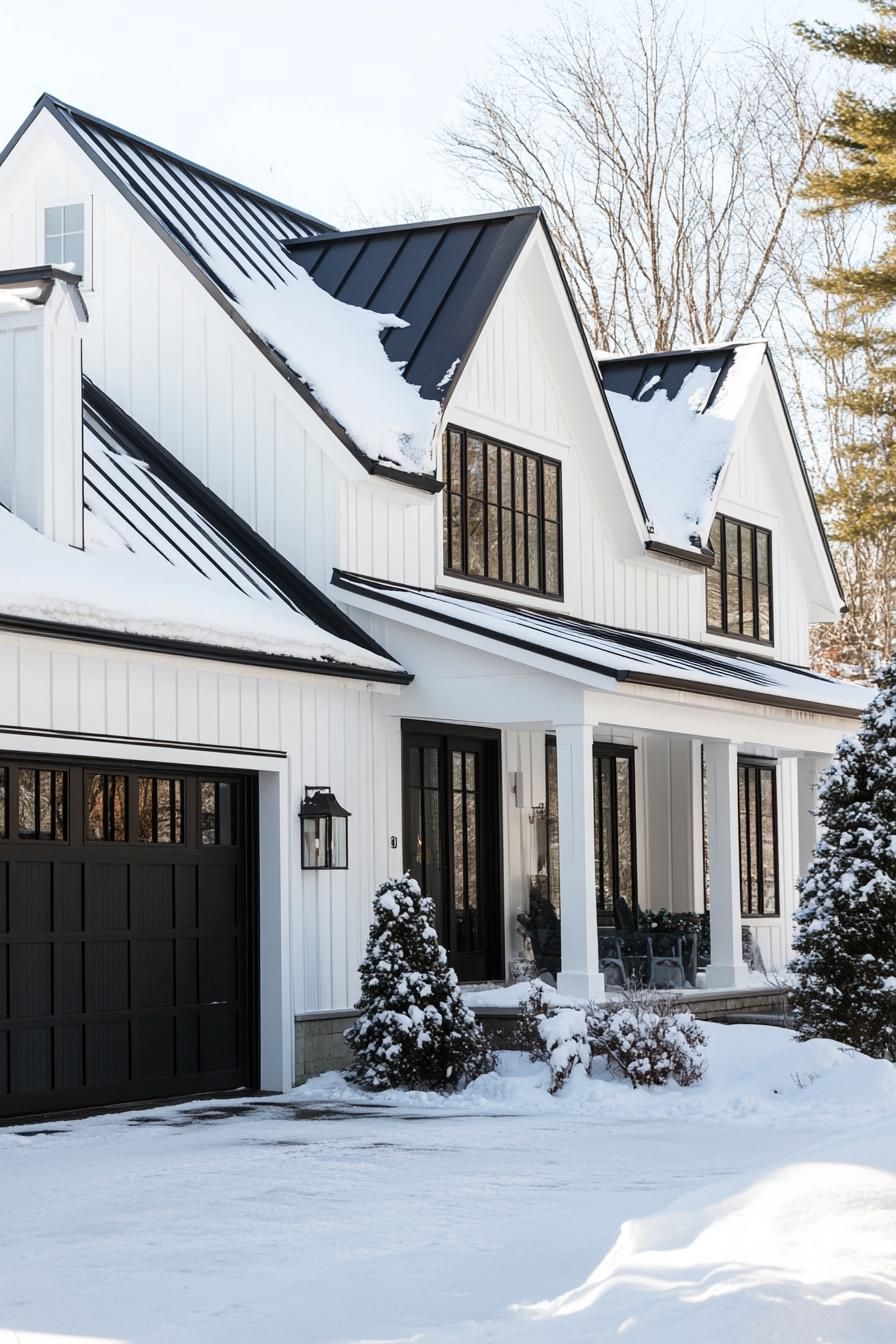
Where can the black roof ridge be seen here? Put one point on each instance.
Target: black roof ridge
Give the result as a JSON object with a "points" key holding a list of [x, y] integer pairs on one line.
{"points": [[280, 572], [680, 350], [61, 105], [335, 235]]}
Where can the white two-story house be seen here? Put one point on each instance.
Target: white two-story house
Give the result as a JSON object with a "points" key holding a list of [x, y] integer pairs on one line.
{"points": [[358, 520]]}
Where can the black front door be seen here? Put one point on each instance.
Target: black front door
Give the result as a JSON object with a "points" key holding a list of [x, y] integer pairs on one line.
{"points": [[126, 934], [452, 842]]}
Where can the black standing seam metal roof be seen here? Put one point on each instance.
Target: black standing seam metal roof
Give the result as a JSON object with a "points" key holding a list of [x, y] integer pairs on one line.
{"points": [[442, 277], [167, 509], [640, 377], [192, 208]]}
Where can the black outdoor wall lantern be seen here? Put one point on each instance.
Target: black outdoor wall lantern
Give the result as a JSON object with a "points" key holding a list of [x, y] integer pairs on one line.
{"points": [[324, 829]]}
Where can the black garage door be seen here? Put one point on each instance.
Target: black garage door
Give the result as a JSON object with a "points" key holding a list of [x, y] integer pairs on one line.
{"points": [[126, 934]]}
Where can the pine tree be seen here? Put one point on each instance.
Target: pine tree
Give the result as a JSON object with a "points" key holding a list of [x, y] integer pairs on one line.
{"points": [[414, 1030], [845, 943], [860, 172]]}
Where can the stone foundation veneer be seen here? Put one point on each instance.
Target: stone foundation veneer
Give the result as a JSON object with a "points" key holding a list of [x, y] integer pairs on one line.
{"points": [[320, 1045]]}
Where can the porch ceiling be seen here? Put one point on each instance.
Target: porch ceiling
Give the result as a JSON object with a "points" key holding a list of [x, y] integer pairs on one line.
{"points": [[625, 657]]}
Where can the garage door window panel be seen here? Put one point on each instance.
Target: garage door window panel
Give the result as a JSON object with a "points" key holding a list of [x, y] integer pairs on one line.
{"points": [[42, 804], [160, 809], [106, 802], [217, 817]]}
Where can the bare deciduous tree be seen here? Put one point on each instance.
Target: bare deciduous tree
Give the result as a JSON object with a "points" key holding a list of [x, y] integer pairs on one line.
{"points": [[668, 173]]}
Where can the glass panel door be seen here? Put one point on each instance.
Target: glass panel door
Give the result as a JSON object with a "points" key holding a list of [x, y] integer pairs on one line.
{"points": [[451, 841]]}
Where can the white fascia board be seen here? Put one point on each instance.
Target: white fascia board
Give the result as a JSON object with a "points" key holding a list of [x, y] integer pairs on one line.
{"points": [[701, 717], [820, 584], [564, 348]]}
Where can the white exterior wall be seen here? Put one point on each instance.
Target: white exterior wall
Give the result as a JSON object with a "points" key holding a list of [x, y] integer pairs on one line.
{"points": [[329, 729]]}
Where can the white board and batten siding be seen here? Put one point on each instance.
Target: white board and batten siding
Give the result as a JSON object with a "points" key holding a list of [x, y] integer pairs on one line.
{"points": [[328, 728]]}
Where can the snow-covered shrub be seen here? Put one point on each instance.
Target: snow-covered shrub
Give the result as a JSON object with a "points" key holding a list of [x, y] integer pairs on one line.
{"points": [[565, 1035], [414, 1030], [648, 1040], [845, 943], [533, 1010]]}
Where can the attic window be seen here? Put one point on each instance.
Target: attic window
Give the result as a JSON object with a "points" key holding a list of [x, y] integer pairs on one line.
{"points": [[739, 586], [64, 234]]}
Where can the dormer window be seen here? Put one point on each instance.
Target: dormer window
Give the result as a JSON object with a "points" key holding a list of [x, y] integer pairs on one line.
{"points": [[502, 514], [739, 586], [64, 236]]}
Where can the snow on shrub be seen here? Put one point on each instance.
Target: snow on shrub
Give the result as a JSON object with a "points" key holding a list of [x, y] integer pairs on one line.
{"points": [[565, 1035], [646, 1039], [414, 1030]]}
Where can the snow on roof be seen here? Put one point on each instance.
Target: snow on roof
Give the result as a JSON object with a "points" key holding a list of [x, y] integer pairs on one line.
{"points": [[624, 655], [677, 415], [20, 298], [235, 235], [110, 588], [336, 350]]}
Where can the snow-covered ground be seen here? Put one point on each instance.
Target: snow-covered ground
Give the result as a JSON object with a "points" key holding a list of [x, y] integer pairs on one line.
{"points": [[758, 1206]]}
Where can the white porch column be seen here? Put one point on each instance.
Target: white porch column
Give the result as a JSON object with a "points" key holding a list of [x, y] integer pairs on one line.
{"points": [[809, 769], [727, 970], [580, 976]]}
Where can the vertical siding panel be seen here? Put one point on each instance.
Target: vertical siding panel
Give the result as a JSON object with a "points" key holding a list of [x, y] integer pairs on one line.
{"points": [[188, 704], [34, 687], [165, 703], [140, 700], [64, 671]]}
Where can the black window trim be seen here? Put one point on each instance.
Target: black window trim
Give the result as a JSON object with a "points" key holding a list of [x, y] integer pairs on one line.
{"points": [[771, 767], [721, 567], [542, 459]]}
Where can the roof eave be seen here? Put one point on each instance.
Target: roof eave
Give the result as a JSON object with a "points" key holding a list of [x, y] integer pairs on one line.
{"points": [[344, 581], [122, 639]]}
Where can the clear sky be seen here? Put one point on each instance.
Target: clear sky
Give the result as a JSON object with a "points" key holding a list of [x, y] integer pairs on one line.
{"points": [[332, 105]]}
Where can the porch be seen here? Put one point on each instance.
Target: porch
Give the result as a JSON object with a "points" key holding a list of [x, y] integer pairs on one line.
{"points": [[635, 773]]}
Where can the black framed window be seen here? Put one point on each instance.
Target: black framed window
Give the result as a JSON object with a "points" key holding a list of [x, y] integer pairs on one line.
{"points": [[502, 514], [739, 586], [615, 863], [42, 804], [4, 801], [758, 825]]}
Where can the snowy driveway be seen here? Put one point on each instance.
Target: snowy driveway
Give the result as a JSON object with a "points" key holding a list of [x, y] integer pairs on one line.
{"points": [[267, 1224]]}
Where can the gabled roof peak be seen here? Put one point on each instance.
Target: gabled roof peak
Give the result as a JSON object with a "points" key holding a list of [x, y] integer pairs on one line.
{"points": [[78, 115]]}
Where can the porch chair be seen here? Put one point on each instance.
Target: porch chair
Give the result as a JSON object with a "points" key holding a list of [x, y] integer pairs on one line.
{"points": [[665, 962], [612, 962]]}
